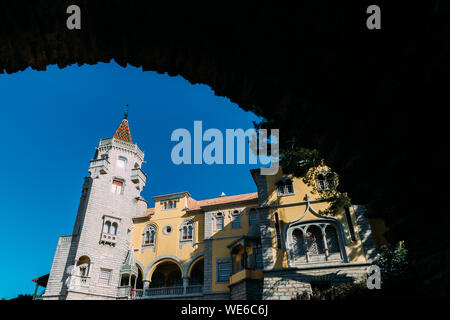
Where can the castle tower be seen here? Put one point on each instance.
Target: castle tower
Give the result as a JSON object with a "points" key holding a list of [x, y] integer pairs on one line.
{"points": [[87, 264]]}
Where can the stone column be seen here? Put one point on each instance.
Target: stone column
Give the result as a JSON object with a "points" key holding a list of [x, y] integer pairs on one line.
{"points": [[146, 284], [185, 284], [325, 245]]}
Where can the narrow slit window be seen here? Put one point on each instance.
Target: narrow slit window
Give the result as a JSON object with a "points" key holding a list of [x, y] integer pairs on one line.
{"points": [[350, 225], [277, 229]]}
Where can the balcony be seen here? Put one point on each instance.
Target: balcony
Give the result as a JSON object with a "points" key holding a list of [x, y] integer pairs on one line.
{"points": [[108, 238], [166, 292], [99, 166], [138, 176], [79, 283]]}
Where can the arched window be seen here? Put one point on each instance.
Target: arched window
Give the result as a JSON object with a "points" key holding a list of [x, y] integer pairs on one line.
{"points": [[83, 266], [170, 204], [190, 229], [187, 232], [314, 240], [299, 245], [114, 228], [106, 227], [332, 239], [149, 236], [285, 187]]}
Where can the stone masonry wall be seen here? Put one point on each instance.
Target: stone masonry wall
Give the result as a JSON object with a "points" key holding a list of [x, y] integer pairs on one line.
{"points": [[286, 284]]}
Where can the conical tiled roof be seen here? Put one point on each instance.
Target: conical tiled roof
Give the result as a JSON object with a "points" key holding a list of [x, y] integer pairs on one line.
{"points": [[129, 266], [123, 132]]}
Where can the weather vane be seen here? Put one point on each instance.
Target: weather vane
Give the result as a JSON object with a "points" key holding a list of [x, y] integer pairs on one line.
{"points": [[125, 115]]}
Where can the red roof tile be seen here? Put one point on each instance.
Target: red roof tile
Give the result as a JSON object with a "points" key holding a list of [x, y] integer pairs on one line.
{"points": [[195, 205], [123, 132]]}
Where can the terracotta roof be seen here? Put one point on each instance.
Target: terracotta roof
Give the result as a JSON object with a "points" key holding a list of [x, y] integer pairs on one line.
{"points": [[183, 193], [42, 280], [123, 132], [196, 205]]}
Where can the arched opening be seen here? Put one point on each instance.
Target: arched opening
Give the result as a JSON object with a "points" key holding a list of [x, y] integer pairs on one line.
{"points": [[314, 240], [83, 265], [299, 245], [114, 228], [107, 227], [166, 279], [332, 239], [139, 280], [197, 272]]}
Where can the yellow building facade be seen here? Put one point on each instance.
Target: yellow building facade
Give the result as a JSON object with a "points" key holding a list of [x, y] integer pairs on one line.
{"points": [[240, 246]]}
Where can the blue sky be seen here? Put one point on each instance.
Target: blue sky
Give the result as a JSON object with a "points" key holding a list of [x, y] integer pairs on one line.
{"points": [[51, 123]]}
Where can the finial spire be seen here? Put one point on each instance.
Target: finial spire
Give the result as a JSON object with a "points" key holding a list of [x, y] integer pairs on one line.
{"points": [[125, 115]]}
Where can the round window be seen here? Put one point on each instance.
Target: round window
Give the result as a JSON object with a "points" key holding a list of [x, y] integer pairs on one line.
{"points": [[167, 229]]}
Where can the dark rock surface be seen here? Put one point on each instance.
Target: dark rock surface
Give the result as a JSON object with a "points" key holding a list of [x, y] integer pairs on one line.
{"points": [[372, 101]]}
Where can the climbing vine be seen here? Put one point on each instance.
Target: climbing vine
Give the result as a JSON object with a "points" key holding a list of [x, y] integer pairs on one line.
{"points": [[307, 163]]}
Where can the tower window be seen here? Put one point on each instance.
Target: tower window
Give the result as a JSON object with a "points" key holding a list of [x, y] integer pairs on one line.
{"points": [[107, 227], [121, 162], [114, 228], [117, 187]]}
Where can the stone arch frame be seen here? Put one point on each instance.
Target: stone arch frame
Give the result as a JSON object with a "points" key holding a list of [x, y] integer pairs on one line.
{"points": [[322, 224], [187, 223], [191, 263], [338, 224], [341, 227], [90, 265], [148, 272], [148, 227]]}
